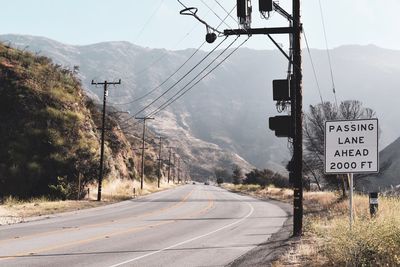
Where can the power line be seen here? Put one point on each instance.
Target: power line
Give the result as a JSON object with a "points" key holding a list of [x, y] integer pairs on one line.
{"points": [[229, 13], [159, 59], [171, 87], [148, 20], [212, 10], [166, 80], [313, 67], [182, 91], [327, 51], [172, 99]]}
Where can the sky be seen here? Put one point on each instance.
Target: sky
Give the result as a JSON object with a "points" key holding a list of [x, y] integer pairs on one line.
{"points": [[157, 23]]}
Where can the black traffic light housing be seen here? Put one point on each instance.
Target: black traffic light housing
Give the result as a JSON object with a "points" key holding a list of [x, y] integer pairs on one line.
{"points": [[281, 90], [265, 5], [282, 125]]}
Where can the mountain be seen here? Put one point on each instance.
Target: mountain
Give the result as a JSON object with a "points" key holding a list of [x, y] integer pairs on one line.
{"points": [[49, 138], [388, 177], [225, 116]]}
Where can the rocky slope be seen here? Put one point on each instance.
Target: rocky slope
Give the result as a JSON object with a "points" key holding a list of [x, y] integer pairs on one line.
{"points": [[388, 178], [48, 135], [224, 118]]}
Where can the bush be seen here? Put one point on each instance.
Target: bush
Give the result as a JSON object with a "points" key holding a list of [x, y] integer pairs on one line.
{"points": [[266, 177]]}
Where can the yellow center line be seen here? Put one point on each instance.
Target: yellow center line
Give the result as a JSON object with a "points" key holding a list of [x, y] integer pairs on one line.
{"points": [[43, 234], [108, 235]]}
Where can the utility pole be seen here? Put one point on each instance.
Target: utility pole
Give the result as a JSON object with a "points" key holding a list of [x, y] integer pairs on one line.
{"points": [[100, 181], [144, 132], [179, 170], [174, 170], [284, 90], [169, 162], [298, 115], [159, 162]]}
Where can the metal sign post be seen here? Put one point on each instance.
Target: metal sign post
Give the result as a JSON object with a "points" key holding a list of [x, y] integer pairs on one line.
{"points": [[351, 200]]}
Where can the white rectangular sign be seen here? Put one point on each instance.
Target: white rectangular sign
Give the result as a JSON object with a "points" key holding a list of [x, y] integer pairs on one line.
{"points": [[351, 146]]}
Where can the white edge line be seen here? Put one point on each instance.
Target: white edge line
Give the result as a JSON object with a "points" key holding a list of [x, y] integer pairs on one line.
{"points": [[189, 240]]}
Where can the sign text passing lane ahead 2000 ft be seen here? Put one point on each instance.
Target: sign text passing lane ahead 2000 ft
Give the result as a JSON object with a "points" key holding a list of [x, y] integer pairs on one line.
{"points": [[351, 146]]}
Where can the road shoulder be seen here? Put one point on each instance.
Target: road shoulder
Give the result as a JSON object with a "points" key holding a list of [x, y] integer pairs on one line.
{"points": [[267, 252]]}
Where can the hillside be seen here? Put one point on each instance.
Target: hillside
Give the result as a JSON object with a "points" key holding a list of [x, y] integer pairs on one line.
{"points": [[223, 120], [48, 136], [388, 177]]}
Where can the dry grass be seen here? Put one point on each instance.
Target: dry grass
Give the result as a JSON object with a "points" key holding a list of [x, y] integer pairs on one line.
{"points": [[15, 211], [328, 240], [122, 189]]}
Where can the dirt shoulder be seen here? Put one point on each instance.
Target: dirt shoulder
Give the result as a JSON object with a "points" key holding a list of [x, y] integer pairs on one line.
{"points": [[281, 249], [266, 253], [16, 211]]}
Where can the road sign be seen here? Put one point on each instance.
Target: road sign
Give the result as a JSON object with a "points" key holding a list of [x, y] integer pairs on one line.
{"points": [[351, 146]]}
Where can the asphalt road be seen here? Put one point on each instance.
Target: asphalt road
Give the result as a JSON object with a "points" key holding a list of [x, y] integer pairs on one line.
{"points": [[192, 225]]}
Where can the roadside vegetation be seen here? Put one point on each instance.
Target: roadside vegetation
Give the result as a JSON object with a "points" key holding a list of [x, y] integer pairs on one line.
{"points": [[328, 240], [14, 210]]}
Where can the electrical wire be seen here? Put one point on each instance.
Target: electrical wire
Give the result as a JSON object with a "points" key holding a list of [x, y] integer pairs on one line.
{"points": [[166, 80], [229, 13], [212, 10], [327, 51], [148, 20], [181, 93], [160, 58], [313, 67], [171, 87], [147, 106]]}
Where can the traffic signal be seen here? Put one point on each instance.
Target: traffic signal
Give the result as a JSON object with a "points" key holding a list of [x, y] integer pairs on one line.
{"points": [[280, 90], [265, 5], [282, 126]]}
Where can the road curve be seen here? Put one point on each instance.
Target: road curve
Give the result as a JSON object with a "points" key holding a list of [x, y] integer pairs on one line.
{"points": [[192, 225]]}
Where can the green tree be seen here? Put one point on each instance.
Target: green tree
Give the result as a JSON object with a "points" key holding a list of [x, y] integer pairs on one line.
{"points": [[236, 175], [222, 174]]}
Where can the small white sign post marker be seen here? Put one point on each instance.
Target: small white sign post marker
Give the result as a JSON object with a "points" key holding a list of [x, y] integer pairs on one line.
{"points": [[351, 146]]}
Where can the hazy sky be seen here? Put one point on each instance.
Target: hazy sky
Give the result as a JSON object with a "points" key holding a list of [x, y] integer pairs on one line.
{"points": [[157, 23]]}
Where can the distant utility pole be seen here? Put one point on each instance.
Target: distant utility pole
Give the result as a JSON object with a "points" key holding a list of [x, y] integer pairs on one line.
{"points": [[159, 161], [169, 162], [179, 170], [105, 83], [174, 169], [144, 133]]}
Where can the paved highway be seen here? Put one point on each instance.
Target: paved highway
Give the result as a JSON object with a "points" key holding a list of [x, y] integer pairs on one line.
{"points": [[192, 225]]}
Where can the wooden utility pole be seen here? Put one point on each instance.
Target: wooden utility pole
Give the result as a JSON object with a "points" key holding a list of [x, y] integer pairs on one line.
{"points": [[298, 118], [169, 162], [179, 170], [105, 94], [143, 135], [174, 169], [159, 161]]}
